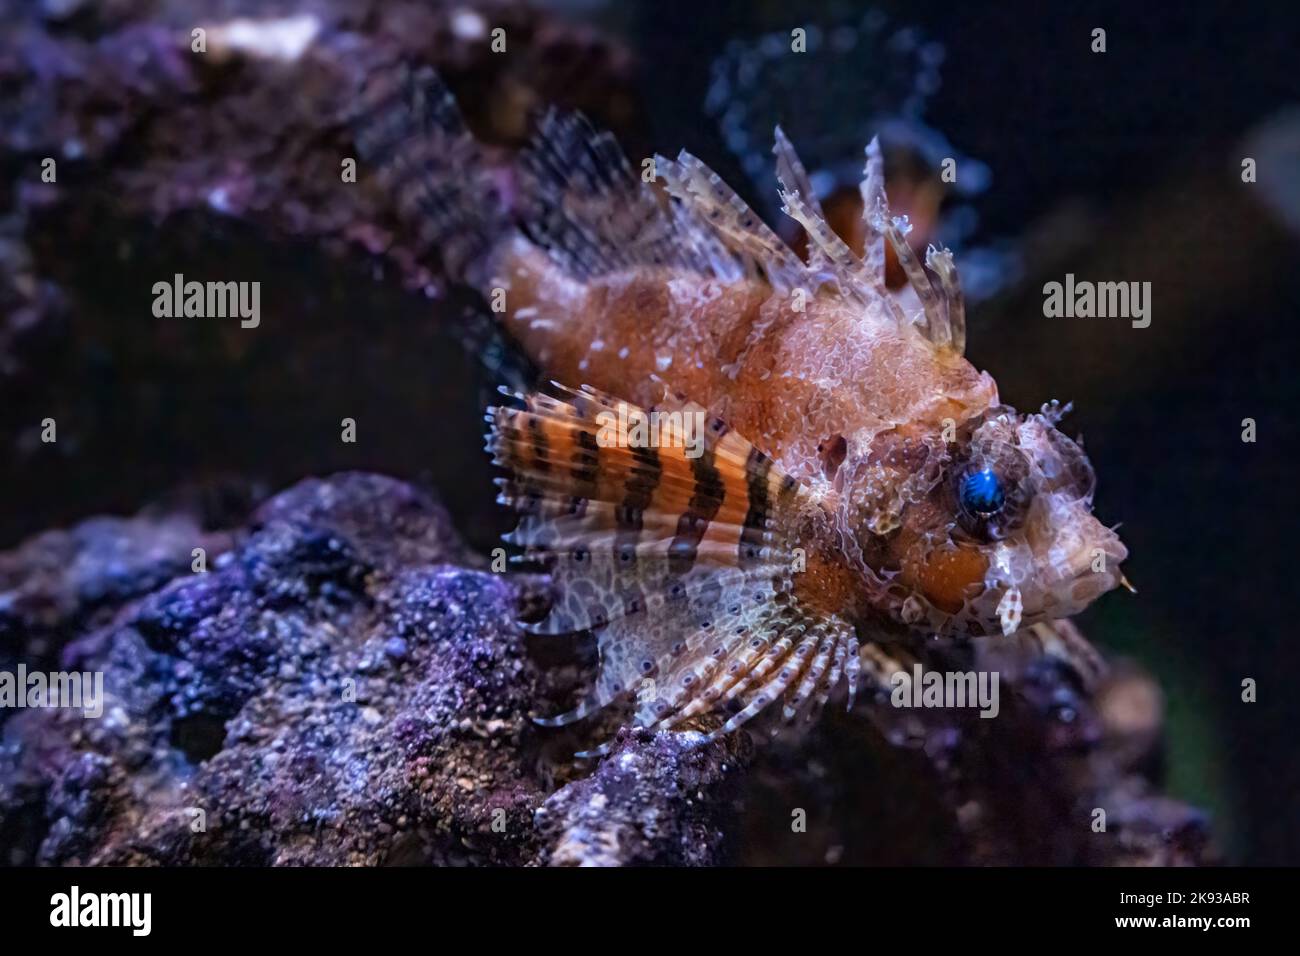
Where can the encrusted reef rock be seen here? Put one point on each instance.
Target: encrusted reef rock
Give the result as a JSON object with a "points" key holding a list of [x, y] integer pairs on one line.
{"points": [[348, 684], [344, 686], [656, 800]]}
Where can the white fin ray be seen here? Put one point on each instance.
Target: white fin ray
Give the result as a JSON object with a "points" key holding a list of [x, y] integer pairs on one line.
{"points": [[792, 176], [875, 207], [738, 226], [834, 253]]}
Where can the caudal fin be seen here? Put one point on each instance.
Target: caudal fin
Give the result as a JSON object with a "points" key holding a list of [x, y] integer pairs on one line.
{"points": [[410, 131]]}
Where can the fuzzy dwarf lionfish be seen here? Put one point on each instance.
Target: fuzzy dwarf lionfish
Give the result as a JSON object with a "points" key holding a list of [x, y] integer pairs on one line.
{"points": [[858, 483]]}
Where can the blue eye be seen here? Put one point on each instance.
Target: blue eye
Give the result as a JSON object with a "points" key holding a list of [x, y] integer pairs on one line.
{"points": [[981, 492]]}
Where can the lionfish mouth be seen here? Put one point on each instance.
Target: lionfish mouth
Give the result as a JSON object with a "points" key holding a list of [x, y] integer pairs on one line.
{"points": [[1092, 571]]}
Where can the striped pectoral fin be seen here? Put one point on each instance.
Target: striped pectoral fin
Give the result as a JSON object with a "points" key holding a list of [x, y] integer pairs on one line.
{"points": [[615, 498], [677, 550]]}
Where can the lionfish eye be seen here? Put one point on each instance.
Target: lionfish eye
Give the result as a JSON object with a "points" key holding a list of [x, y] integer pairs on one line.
{"points": [[981, 493]]}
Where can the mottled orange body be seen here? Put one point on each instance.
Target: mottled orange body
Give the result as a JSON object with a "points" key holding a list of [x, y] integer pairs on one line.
{"points": [[788, 377], [794, 378]]}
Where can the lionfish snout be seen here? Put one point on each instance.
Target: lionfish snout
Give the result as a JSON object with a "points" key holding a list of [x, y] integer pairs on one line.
{"points": [[1080, 565]]}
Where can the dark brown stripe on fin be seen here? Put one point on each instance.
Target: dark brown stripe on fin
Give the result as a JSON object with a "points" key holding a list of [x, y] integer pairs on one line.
{"points": [[640, 486], [584, 464], [706, 499], [642, 481], [540, 445], [757, 469]]}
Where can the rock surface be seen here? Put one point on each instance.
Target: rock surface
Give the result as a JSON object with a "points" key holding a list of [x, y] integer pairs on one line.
{"points": [[347, 684]]}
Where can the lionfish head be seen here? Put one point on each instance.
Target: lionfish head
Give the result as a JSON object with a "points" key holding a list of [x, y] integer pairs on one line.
{"points": [[988, 529]]}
